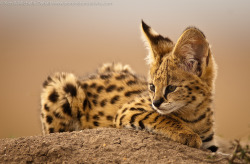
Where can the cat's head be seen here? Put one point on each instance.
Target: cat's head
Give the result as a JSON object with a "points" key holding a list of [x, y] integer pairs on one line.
{"points": [[181, 75]]}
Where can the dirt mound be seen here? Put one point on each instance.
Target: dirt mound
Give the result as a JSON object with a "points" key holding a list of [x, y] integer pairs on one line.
{"points": [[104, 145]]}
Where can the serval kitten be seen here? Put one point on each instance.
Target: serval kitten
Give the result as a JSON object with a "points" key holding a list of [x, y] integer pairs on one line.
{"points": [[176, 101]]}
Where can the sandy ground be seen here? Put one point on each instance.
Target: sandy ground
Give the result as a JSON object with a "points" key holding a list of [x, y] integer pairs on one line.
{"points": [[101, 146]]}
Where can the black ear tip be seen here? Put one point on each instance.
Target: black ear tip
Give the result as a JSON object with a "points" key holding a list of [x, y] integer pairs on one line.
{"points": [[142, 22], [144, 26]]}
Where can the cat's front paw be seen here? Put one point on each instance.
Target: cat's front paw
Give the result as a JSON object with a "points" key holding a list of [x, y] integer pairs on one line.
{"points": [[190, 139]]}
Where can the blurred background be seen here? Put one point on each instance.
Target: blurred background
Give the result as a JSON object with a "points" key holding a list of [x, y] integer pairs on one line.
{"points": [[39, 38]]}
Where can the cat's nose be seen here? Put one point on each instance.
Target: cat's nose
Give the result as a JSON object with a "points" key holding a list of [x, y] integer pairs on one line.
{"points": [[157, 103]]}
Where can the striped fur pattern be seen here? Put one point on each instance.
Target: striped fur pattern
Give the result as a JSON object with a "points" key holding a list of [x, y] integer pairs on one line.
{"points": [[176, 101]]}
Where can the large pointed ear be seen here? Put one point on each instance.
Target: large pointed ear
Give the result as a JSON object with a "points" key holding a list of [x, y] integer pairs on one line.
{"points": [[192, 50], [158, 45]]}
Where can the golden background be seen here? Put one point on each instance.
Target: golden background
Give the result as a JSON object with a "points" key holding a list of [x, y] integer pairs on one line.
{"points": [[36, 41]]}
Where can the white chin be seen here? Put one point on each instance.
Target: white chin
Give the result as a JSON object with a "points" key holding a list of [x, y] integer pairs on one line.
{"points": [[163, 111]]}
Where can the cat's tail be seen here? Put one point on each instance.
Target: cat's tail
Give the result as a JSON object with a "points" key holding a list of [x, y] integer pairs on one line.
{"points": [[61, 102]]}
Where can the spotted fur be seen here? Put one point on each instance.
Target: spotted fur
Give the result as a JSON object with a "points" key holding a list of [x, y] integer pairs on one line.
{"points": [[176, 101]]}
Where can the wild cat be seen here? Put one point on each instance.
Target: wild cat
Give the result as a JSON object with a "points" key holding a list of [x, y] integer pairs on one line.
{"points": [[176, 101]]}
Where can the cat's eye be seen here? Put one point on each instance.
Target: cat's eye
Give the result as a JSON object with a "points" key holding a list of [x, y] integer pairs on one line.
{"points": [[169, 89], [152, 87]]}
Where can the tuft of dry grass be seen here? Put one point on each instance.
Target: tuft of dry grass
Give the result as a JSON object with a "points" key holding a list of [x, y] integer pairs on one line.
{"points": [[241, 154]]}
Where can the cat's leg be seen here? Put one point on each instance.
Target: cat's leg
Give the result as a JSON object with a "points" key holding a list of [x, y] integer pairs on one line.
{"points": [[61, 103], [208, 140], [143, 117]]}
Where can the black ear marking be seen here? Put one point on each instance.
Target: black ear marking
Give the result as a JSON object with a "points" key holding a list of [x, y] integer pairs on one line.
{"points": [[145, 27], [158, 45], [153, 36]]}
